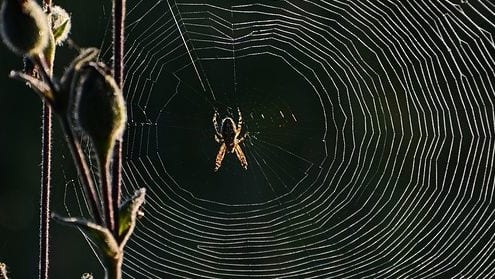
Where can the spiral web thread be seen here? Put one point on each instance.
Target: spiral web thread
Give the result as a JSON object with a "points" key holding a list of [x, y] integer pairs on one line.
{"points": [[379, 164]]}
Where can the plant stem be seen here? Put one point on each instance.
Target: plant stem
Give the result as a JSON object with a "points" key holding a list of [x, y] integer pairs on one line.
{"points": [[83, 170], [46, 153], [104, 164], [114, 267], [119, 9], [117, 183], [45, 191]]}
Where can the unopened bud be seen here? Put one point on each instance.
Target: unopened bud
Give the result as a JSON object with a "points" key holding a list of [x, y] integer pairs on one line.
{"points": [[24, 26], [100, 109], [61, 24]]}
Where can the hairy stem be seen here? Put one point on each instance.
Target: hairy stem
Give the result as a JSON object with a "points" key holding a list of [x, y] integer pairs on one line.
{"points": [[46, 153], [83, 170], [116, 184], [45, 191], [119, 9]]}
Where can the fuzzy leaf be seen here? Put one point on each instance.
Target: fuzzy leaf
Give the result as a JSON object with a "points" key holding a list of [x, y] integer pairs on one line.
{"points": [[61, 24], [128, 214], [100, 236]]}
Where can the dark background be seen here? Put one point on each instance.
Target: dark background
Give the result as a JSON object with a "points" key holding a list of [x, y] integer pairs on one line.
{"points": [[20, 141], [20, 156]]}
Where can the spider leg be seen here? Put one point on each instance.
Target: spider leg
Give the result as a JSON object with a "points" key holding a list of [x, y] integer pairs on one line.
{"points": [[239, 123], [218, 136], [215, 123], [241, 156], [220, 155], [241, 139]]}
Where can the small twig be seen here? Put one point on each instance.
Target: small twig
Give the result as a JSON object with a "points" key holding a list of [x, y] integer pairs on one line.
{"points": [[37, 85], [45, 70], [119, 9]]}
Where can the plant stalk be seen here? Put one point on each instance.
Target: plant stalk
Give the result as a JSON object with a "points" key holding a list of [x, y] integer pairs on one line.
{"points": [[119, 10], [46, 154], [108, 205], [113, 269], [45, 191]]}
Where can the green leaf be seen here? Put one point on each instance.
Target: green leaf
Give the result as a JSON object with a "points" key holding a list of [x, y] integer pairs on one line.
{"points": [[128, 214], [61, 24], [100, 236], [49, 51], [60, 30]]}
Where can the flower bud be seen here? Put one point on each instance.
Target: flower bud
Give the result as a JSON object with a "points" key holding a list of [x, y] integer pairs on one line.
{"points": [[24, 26], [61, 24], [100, 110]]}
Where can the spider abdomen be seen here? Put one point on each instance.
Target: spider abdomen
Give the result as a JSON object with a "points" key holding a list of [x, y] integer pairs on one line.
{"points": [[229, 133]]}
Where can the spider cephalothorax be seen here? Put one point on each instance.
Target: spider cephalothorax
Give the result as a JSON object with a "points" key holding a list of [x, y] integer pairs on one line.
{"points": [[228, 135]]}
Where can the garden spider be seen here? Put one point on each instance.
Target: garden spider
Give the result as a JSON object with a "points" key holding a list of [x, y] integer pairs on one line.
{"points": [[228, 136]]}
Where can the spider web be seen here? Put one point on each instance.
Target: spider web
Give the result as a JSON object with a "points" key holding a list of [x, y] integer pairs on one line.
{"points": [[369, 144]]}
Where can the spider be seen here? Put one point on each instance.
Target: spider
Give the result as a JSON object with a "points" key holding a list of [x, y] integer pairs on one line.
{"points": [[228, 136]]}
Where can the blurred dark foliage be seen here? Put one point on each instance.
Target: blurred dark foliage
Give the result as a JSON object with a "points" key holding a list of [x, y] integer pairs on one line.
{"points": [[20, 141]]}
